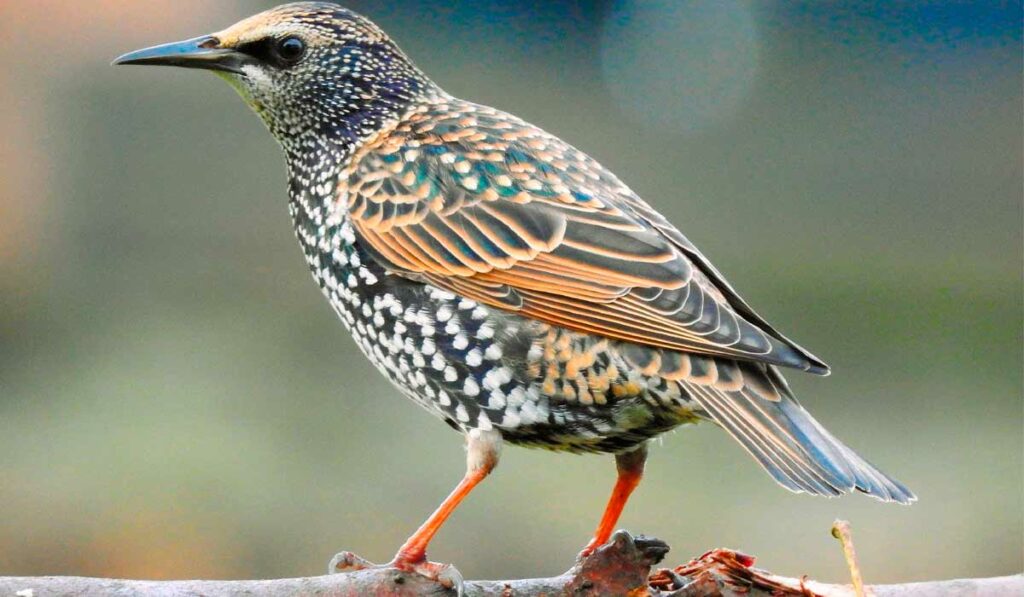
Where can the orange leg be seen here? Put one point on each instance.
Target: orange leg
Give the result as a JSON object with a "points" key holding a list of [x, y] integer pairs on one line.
{"points": [[630, 466], [483, 449]]}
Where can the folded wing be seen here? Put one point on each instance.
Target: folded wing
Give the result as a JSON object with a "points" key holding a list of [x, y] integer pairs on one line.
{"points": [[480, 203]]}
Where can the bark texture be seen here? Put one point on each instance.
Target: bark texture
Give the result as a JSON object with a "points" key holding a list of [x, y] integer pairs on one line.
{"points": [[625, 566]]}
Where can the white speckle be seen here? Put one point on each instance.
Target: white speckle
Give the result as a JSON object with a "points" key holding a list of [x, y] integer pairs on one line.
{"points": [[516, 397], [444, 313], [486, 331], [441, 295], [461, 414], [474, 358], [470, 387], [443, 398], [438, 362], [450, 374], [528, 412], [543, 409], [493, 352], [378, 319], [492, 380], [511, 419], [460, 342], [428, 347], [483, 422], [497, 400]]}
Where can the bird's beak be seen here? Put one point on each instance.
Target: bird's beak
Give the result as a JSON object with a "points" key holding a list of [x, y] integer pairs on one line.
{"points": [[201, 52]]}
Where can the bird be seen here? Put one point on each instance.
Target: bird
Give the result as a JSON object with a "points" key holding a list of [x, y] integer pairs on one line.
{"points": [[503, 279]]}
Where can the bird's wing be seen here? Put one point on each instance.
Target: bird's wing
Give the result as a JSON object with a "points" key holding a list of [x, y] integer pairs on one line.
{"points": [[478, 202]]}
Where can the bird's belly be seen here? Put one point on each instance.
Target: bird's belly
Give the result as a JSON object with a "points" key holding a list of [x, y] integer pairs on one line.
{"points": [[478, 367]]}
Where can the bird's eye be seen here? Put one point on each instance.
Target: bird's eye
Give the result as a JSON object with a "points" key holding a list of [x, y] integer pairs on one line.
{"points": [[291, 49]]}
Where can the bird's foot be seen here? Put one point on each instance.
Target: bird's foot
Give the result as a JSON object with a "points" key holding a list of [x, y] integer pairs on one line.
{"points": [[619, 567], [647, 548], [589, 549], [445, 575]]}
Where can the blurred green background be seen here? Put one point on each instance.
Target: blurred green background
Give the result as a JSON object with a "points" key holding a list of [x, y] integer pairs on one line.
{"points": [[177, 400]]}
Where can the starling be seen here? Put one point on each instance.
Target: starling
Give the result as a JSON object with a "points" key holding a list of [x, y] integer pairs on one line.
{"points": [[501, 278]]}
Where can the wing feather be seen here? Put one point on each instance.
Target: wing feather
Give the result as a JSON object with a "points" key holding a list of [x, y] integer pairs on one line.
{"points": [[480, 203]]}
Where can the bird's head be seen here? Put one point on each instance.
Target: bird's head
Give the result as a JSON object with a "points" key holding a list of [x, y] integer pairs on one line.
{"points": [[305, 68]]}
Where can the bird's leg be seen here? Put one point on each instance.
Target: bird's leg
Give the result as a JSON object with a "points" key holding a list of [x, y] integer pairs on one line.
{"points": [[483, 449], [630, 466]]}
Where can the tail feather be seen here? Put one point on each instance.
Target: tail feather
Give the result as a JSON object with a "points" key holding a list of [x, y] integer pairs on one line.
{"points": [[788, 443]]}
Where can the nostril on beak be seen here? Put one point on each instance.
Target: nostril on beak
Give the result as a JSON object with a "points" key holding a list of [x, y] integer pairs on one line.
{"points": [[199, 52]]}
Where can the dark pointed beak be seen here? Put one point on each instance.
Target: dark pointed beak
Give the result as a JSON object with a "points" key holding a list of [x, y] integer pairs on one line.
{"points": [[202, 52]]}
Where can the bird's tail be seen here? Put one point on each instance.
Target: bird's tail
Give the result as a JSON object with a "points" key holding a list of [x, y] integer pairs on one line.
{"points": [[783, 437]]}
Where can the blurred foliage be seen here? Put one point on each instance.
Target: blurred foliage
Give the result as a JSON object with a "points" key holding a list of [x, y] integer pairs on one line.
{"points": [[177, 400]]}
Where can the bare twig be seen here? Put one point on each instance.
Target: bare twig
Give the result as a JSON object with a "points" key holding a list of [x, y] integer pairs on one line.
{"points": [[621, 567]]}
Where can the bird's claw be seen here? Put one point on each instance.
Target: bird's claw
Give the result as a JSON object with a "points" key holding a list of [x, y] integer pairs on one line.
{"points": [[446, 575], [653, 550], [346, 561], [586, 551]]}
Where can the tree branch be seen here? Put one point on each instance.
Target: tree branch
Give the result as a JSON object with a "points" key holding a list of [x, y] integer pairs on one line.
{"points": [[621, 567]]}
